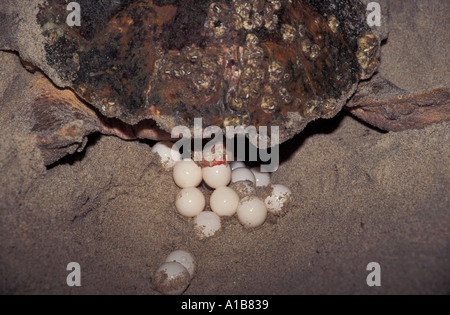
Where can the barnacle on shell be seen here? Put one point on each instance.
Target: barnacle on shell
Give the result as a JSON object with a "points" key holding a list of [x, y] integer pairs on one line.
{"points": [[221, 60]]}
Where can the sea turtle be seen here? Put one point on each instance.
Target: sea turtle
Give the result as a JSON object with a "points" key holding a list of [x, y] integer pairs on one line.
{"points": [[138, 68]]}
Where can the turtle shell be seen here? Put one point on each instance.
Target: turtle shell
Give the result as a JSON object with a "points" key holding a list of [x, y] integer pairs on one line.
{"points": [[229, 62]]}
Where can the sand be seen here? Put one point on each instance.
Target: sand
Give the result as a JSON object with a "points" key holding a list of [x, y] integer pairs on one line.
{"points": [[359, 196]]}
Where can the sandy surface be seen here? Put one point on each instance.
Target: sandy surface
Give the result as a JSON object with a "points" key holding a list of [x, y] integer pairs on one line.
{"points": [[360, 196]]}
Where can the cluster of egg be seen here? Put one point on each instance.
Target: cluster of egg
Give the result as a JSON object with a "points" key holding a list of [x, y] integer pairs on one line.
{"points": [[233, 193], [175, 274]]}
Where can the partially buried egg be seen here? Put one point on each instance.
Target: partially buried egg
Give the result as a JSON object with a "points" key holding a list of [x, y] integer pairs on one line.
{"points": [[236, 164], [207, 224], [243, 188], [172, 278], [276, 201], [190, 202], [168, 154], [242, 174], [262, 178], [184, 258]]}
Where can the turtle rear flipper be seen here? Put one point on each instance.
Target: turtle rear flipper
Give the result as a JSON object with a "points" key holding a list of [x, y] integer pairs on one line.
{"points": [[386, 106], [62, 122]]}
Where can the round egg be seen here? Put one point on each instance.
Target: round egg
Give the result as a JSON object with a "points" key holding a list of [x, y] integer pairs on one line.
{"points": [[168, 153], [251, 212], [187, 173], [190, 202], [242, 174], [224, 201], [262, 179], [236, 164], [278, 198], [172, 278], [207, 224], [217, 176], [243, 189], [184, 258]]}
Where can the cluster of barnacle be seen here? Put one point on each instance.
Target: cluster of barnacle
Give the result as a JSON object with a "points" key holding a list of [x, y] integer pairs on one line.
{"points": [[243, 14], [193, 66], [252, 76], [320, 108], [278, 78], [301, 35], [254, 14], [368, 52], [257, 71], [254, 82]]}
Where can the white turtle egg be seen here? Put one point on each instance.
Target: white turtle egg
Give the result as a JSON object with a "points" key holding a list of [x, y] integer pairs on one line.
{"points": [[207, 224], [262, 179], [251, 212], [217, 176], [224, 201], [244, 189], [187, 173], [278, 198], [242, 174], [172, 278], [169, 155], [190, 202], [185, 258], [236, 164]]}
